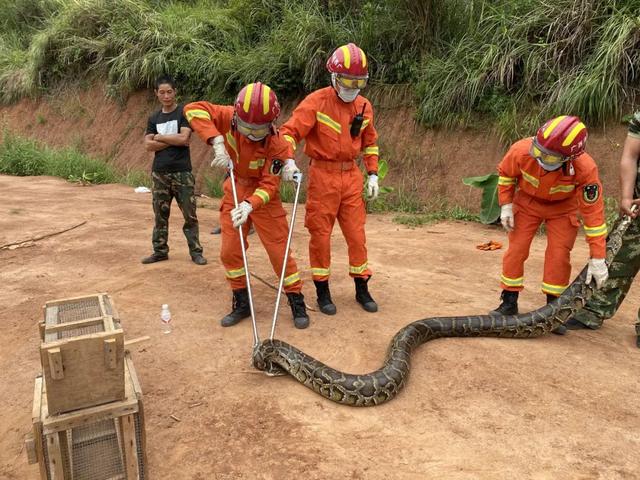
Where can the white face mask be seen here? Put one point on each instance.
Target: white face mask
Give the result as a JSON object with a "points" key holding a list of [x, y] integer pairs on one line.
{"points": [[549, 168], [347, 95]]}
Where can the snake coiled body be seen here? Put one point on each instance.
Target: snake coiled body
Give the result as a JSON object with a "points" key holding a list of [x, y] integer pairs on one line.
{"points": [[276, 357]]}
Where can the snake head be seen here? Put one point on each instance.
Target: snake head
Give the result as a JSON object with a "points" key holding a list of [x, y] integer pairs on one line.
{"points": [[262, 354]]}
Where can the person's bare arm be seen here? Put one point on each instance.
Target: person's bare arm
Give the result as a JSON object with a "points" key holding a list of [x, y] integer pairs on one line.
{"points": [[176, 139], [628, 174], [152, 145]]}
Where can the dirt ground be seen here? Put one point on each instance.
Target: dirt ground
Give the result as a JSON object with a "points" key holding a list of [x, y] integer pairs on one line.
{"points": [[553, 407]]}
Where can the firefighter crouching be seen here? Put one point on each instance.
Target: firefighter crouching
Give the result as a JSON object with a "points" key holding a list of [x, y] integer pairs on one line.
{"points": [[549, 178], [245, 134]]}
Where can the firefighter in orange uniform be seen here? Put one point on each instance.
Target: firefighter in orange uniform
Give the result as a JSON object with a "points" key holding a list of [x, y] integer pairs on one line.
{"points": [[245, 135], [337, 125], [555, 181]]}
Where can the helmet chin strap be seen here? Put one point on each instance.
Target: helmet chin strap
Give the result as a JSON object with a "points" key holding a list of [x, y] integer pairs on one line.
{"points": [[347, 95]]}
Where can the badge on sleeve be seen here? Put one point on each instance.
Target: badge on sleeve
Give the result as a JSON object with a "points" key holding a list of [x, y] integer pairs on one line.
{"points": [[276, 167], [591, 192]]}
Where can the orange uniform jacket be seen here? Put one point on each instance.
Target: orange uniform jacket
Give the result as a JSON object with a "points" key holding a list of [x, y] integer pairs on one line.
{"points": [[258, 182], [324, 121], [251, 160], [577, 189]]}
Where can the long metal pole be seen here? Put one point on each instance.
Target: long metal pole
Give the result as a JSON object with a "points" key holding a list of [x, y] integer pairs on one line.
{"points": [[256, 339], [298, 179]]}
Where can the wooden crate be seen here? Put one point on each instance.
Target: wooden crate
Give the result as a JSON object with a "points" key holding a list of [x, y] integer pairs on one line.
{"points": [[82, 349], [106, 442]]}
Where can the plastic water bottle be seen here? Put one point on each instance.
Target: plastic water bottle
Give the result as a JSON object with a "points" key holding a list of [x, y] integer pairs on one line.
{"points": [[165, 317]]}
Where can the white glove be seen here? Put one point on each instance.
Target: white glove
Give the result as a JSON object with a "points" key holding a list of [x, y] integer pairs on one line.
{"points": [[598, 271], [289, 170], [240, 214], [221, 157], [372, 187], [506, 217]]}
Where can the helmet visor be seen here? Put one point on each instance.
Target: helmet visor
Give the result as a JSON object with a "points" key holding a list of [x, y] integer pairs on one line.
{"points": [[346, 81], [252, 130], [545, 156]]}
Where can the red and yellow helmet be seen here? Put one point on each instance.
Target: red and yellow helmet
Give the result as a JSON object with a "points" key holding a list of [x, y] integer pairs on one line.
{"points": [[349, 60], [257, 104], [562, 137]]}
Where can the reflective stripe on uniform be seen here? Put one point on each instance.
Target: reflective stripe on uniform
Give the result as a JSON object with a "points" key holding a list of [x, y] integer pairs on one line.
{"points": [[359, 269], [292, 141], [365, 123], [320, 272], [595, 231], [254, 164], [512, 282], [262, 194], [506, 181], [328, 121], [232, 143], [197, 113], [530, 178], [373, 150], [291, 279], [562, 188], [238, 272], [553, 289]]}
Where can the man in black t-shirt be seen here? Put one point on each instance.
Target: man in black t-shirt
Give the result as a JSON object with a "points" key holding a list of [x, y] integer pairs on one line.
{"points": [[168, 135]]}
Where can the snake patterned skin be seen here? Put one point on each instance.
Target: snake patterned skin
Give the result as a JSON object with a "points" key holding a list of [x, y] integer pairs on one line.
{"points": [[276, 357]]}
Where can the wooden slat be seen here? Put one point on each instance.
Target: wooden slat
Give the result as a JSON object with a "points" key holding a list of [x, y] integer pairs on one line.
{"points": [[51, 315], [55, 363], [36, 420], [130, 450], [93, 374], [30, 448], [55, 456], [110, 353], [60, 327], [60, 301]]}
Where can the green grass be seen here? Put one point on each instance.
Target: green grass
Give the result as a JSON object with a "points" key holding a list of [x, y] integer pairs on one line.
{"points": [[458, 61], [213, 186], [419, 219], [24, 157]]}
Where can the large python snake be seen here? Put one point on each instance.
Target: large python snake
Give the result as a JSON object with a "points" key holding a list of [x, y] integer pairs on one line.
{"points": [[276, 357]]}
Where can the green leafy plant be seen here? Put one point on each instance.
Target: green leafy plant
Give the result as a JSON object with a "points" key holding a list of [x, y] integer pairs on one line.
{"points": [[84, 179], [489, 207]]}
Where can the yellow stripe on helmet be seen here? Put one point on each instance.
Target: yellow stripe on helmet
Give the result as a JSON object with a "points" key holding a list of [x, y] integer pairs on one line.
{"points": [[265, 99], [364, 58], [247, 97], [554, 123], [347, 56], [573, 134]]}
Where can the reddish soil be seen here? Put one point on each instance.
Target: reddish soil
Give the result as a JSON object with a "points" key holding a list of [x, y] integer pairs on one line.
{"points": [[553, 407], [425, 165]]}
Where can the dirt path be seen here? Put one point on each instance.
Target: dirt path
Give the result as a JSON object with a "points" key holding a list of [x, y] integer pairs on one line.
{"points": [[554, 407]]}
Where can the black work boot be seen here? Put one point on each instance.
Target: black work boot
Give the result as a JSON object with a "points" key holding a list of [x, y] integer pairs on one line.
{"points": [[298, 310], [324, 298], [509, 305], [239, 308], [560, 329], [363, 297], [155, 257]]}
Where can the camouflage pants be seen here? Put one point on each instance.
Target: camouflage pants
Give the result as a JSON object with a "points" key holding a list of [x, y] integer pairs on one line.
{"points": [[605, 301], [166, 186]]}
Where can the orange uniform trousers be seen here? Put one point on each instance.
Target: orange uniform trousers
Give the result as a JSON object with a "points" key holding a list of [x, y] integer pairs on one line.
{"points": [[561, 223], [270, 222], [335, 192]]}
